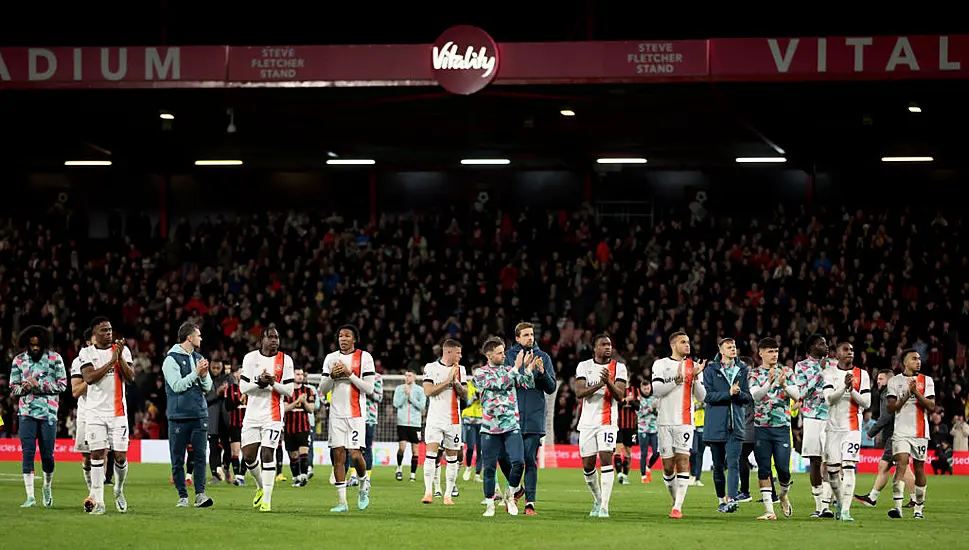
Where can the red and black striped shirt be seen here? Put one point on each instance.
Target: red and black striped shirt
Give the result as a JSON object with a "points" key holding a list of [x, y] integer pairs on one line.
{"points": [[235, 405], [627, 409], [298, 420]]}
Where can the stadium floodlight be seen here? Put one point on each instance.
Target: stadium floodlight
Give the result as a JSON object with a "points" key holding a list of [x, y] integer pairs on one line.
{"points": [[621, 160], [351, 162], [913, 108], [87, 163], [218, 163], [492, 162], [166, 116], [907, 159], [755, 160], [567, 112]]}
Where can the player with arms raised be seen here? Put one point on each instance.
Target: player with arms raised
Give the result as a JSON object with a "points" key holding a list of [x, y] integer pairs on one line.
{"points": [[105, 368], [847, 390], [911, 397], [349, 372], [676, 383], [445, 384], [599, 382], [267, 379]]}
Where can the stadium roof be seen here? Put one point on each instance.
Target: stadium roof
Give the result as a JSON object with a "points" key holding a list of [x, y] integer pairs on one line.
{"points": [[675, 125]]}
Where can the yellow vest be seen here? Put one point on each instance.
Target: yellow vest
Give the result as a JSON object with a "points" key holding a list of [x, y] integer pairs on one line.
{"points": [[698, 415], [474, 409]]}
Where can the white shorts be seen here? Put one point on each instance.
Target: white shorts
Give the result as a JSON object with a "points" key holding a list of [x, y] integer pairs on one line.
{"points": [[813, 440], [675, 440], [915, 447], [601, 439], [448, 437], [349, 433], [266, 435], [107, 432], [80, 441], [842, 447]]}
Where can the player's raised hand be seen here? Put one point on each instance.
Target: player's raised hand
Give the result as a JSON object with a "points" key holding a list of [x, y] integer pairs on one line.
{"points": [[519, 359], [407, 390], [605, 374], [912, 386], [849, 380], [698, 367], [539, 365], [772, 375], [735, 389], [679, 372], [455, 374]]}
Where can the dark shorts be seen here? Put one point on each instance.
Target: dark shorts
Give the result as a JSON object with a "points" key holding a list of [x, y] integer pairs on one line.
{"points": [[235, 435], [410, 434], [887, 455], [296, 440], [627, 437]]}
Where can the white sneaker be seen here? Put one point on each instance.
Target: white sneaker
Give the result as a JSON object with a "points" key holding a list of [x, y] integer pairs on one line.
{"points": [[119, 501], [477, 478], [182, 503], [467, 474], [48, 498], [489, 508], [510, 502]]}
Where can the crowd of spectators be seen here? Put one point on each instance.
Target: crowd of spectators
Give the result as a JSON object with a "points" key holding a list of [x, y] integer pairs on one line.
{"points": [[882, 280]]}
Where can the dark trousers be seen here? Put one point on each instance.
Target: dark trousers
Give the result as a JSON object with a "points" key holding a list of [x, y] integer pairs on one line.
{"points": [[696, 457], [531, 444], [491, 448], [32, 432], [745, 451], [181, 433], [726, 455], [647, 442], [219, 450], [472, 437], [773, 443]]}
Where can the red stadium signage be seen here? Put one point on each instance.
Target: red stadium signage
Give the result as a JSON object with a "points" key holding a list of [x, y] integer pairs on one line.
{"points": [[466, 59], [10, 451]]}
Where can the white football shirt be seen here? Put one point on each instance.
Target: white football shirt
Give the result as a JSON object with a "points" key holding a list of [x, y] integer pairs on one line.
{"points": [[106, 398], [347, 400], [676, 407], [265, 405], [845, 415], [912, 420], [599, 409], [443, 409], [82, 400]]}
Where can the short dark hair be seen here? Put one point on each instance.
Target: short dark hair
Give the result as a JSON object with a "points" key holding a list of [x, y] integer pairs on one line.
{"points": [[451, 343], [676, 335], [905, 353], [768, 343], [267, 328], [889, 372], [41, 333], [600, 336], [87, 334], [521, 327], [187, 329], [812, 339], [353, 331], [491, 343], [725, 340], [98, 320]]}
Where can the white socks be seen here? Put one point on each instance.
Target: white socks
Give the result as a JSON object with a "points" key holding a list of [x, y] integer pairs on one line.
{"points": [[29, 484], [919, 498], [48, 479], [592, 481], [898, 493], [682, 483], [430, 471], [670, 482], [268, 481], [120, 474], [826, 492], [341, 492], [451, 475], [256, 474], [847, 489], [873, 495], [818, 495], [834, 478], [767, 495], [608, 479], [97, 481], [87, 477], [437, 476]]}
